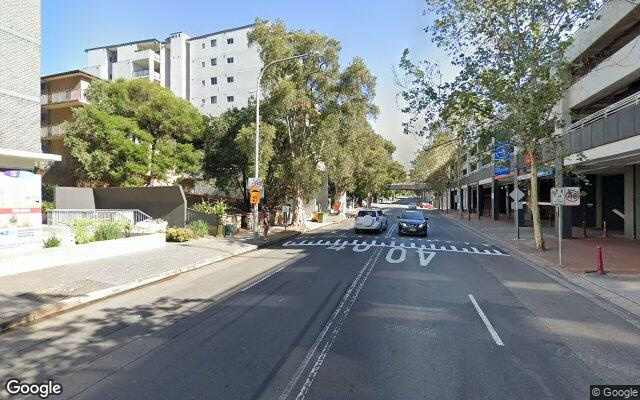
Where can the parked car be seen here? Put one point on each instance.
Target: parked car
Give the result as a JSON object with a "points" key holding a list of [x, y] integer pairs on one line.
{"points": [[370, 220], [412, 222], [426, 206], [412, 206]]}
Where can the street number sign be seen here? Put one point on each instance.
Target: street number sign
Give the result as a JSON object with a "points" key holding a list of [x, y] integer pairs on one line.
{"points": [[516, 194], [565, 196], [254, 195], [254, 183]]}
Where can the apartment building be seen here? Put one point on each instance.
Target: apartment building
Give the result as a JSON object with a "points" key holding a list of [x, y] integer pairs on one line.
{"points": [[60, 94], [20, 86], [215, 72], [601, 135]]}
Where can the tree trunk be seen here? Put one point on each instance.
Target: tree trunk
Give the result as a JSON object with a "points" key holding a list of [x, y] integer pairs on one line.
{"points": [[299, 213], [533, 205]]}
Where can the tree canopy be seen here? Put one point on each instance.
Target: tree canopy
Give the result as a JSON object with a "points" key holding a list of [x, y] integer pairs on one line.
{"points": [[132, 133]]}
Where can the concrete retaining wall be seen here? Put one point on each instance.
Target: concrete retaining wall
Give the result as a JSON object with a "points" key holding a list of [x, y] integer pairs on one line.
{"points": [[81, 253]]}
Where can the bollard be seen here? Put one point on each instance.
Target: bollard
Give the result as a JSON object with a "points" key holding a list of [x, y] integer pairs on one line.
{"points": [[604, 229], [600, 261], [584, 228]]}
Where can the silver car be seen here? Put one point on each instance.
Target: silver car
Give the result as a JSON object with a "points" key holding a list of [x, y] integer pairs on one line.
{"points": [[370, 220]]}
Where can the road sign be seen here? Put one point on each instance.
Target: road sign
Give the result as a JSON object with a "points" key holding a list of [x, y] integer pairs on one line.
{"points": [[516, 205], [254, 183], [565, 196], [254, 195], [516, 194]]}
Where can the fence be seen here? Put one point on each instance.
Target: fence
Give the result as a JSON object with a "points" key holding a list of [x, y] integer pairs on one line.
{"points": [[195, 215], [68, 216]]}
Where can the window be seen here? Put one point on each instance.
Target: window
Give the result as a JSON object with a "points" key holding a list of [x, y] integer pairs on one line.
{"points": [[214, 61], [230, 41], [214, 42], [203, 83], [229, 79], [229, 60], [229, 99], [214, 80], [203, 65], [203, 45], [202, 101], [214, 99]]}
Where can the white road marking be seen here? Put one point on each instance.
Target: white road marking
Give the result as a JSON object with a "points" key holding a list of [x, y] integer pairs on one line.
{"points": [[492, 331], [424, 261], [347, 298], [255, 283], [399, 259], [325, 350]]}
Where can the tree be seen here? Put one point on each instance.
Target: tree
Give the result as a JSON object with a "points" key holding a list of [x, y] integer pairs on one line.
{"points": [[431, 165], [513, 72], [133, 133], [229, 149]]}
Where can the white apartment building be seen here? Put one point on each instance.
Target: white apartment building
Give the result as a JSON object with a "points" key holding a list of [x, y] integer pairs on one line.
{"points": [[215, 72]]}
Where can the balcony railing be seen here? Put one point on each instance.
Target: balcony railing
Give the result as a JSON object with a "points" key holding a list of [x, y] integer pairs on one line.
{"points": [[61, 97], [51, 131], [139, 73]]}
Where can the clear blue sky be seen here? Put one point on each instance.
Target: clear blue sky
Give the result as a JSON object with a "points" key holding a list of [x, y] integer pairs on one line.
{"points": [[376, 30]]}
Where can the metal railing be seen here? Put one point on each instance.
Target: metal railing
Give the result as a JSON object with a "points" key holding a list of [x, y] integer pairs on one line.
{"points": [[57, 216], [615, 107], [60, 97], [141, 72], [51, 131]]}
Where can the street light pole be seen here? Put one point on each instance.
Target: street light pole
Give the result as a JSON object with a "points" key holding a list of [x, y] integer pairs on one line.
{"points": [[255, 206]]}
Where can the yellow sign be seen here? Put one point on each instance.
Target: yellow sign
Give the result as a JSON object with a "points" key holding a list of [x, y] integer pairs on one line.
{"points": [[254, 195]]}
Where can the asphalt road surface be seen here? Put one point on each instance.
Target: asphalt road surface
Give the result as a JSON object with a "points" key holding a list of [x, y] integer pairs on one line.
{"points": [[342, 316]]}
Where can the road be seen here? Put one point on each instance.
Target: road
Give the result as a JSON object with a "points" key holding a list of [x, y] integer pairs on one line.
{"points": [[449, 316]]}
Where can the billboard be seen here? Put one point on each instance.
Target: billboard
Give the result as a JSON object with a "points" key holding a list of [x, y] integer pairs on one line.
{"points": [[20, 211]]}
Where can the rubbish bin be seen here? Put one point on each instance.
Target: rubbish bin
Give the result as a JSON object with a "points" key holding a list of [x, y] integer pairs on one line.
{"points": [[229, 230], [320, 216]]}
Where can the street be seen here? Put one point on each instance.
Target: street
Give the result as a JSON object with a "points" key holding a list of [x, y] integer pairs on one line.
{"points": [[340, 315]]}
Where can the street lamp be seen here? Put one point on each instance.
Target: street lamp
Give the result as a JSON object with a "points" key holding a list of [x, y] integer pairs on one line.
{"points": [[255, 206]]}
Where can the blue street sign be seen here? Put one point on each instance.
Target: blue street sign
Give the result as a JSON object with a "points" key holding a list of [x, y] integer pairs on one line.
{"points": [[501, 158], [499, 170]]}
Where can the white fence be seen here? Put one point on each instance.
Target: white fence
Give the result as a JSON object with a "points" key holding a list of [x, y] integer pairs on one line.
{"points": [[68, 216]]}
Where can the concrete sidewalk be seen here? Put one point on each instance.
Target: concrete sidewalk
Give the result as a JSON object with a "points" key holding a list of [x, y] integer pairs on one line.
{"points": [[620, 286], [29, 296]]}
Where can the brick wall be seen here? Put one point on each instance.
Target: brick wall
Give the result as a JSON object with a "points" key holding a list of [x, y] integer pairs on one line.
{"points": [[20, 75]]}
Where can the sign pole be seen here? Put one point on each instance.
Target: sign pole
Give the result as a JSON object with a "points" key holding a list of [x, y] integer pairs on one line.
{"points": [[560, 235], [515, 187]]}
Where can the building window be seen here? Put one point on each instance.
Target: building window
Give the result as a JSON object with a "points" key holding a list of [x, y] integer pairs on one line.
{"points": [[203, 83], [229, 79], [203, 45], [214, 80], [202, 101], [229, 60], [214, 61], [214, 42], [203, 65], [214, 99], [229, 99], [230, 41]]}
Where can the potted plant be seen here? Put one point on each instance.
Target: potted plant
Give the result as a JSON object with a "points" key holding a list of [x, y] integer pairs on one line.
{"points": [[220, 210]]}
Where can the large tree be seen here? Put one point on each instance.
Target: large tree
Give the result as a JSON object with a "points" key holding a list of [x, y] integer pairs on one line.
{"points": [[132, 133], [513, 72]]}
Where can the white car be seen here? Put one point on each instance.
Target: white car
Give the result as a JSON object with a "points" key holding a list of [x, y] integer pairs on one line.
{"points": [[371, 220]]}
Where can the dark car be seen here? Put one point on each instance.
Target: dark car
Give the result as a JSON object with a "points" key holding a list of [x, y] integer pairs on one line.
{"points": [[412, 222]]}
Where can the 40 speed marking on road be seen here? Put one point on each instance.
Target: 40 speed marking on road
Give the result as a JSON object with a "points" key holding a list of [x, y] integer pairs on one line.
{"points": [[396, 255]]}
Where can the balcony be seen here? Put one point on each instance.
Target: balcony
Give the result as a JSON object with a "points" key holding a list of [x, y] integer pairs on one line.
{"points": [[51, 132], [619, 121], [57, 98], [144, 73]]}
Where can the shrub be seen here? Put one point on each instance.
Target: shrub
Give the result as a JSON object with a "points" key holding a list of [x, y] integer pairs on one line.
{"points": [[83, 230], [199, 228], [220, 210], [107, 231], [125, 227], [48, 206], [179, 234], [204, 207], [52, 242]]}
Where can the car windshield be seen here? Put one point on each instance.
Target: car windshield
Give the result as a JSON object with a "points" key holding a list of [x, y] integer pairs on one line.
{"points": [[364, 213], [412, 215]]}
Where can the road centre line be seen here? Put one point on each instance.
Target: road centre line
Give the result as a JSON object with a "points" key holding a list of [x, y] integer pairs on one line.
{"points": [[334, 316], [266, 277], [323, 354], [486, 321]]}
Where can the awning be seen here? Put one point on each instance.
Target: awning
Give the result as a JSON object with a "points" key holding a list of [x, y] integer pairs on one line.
{"points": [[10, 158]]}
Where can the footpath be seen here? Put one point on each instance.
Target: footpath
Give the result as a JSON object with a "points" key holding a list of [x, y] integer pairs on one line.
{"points": [[29, 296], [620, 285]]}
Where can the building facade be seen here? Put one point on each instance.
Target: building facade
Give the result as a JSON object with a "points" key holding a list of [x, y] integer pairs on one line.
{"points": [[20, 86], [601, 136], [215, 72], [60, 94]]}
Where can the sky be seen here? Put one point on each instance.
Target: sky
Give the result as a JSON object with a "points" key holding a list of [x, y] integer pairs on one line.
{"points": [[376, 30]]}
